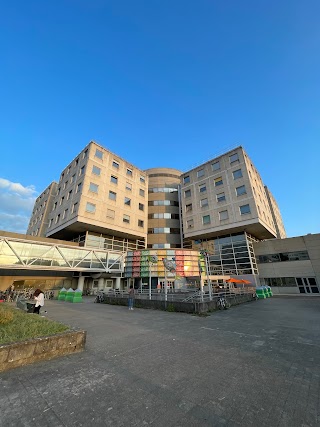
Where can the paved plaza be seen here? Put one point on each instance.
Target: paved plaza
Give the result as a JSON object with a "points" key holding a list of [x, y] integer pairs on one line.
{"points": [[257, 364]]}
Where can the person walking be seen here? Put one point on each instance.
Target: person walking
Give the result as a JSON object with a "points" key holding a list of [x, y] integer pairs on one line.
{"points": [[39, 298], [131, 297]]}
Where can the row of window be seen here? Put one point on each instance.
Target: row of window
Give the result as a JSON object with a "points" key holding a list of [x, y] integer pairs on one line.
{"points": [[220, 196], [244, 209], [223, 215], [165, 230], [284, 256], [40, 208], [116, 165], [215, 166], [162, 190], [163, 203], [164, 215]]}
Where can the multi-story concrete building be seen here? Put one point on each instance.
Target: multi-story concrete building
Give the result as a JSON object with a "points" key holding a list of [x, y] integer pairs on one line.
{"points": [[276, 215], [39, 220], [164, 222]]}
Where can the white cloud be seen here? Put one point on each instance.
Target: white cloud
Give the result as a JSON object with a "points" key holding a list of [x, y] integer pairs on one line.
{"points": [[16, 204]]}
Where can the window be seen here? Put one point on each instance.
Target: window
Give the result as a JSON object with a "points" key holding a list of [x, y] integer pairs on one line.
{"points": [[202, 188], [140, 223], [129, 172], [112, 195], [50, 223], [57, 218], [115, 164], [142, 179], [126, 218], [75, 208], [141, 207], [65, 213], [204, 203], [85, 153], [200, 173], [61, 200], [190, 223], [206, 219], [241, 190], [93, 187], [65, 184], [215, 166], [114, 179], [218, 181], [99, 154], [237, 174], [96, 170], [69, 195], [245, 209], [72, 178], [54, 206], [111, 213], [189, 207], [221, 197], [186, 179], [79, 187], [187, 193], [128, 186], [141, 192], [90, 207], [127, 201], [223, 215], [76, 162], [234, 158], [81, 172]]}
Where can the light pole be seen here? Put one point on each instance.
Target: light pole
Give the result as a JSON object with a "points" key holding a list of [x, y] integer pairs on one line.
{"points": [[152, 259]]}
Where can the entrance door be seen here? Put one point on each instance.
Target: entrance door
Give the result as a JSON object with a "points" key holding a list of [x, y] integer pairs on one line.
{"points": [[307, 285]]}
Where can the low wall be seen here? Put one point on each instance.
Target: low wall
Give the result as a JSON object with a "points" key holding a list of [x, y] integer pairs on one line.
{"points": [[43, 348], [180, 306]]}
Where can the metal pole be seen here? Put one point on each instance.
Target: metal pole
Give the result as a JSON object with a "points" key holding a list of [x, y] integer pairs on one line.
{"points": [[165, 285], [208, 278], [149, 280]]}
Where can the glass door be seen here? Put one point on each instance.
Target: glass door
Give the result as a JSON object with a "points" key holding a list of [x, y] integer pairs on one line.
{"points": [[307, 285]]}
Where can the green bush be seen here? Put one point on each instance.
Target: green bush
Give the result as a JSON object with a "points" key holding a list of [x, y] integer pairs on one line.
{"points": [[5, 316], [171, 308]]}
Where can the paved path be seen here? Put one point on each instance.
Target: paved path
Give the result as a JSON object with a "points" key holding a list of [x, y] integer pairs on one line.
{"points": [[257, 364]]}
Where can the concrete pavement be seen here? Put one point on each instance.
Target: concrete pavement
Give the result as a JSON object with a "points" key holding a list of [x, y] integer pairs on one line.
{"points": [[257, 364]]}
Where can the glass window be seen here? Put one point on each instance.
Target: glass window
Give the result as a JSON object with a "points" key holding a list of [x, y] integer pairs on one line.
{"points": [[65, 213], [204, 202], [81, 172], [129, 172], [206, 219], [72, 178], [223, 215], [50, 223], [69, 195], [85, 154], [90, 207], [93, 187], [61, 200], [187, 193], [128, 186], [99, 154], [189, 207], [200, 173], [54, 206], [237, 174], [79, 187], [65, 184], [111, 213], [202, 188], [115, 164], [221, 197], [241, 190], [96, 170], [245, 209], [126, 218], [114, 179], [127, 201], [112, 195], [75, 207], [215, 166], [141, 207], [141, 192], [234, 158], [218, 181], [142, 179], [140, 223], [186, 179], [190, 223]]}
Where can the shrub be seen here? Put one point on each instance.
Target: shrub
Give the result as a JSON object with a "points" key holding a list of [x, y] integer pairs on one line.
{"points": [[5, 317], [171, 308]]}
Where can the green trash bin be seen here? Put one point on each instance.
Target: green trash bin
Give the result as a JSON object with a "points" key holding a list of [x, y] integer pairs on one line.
{"points": [[62, 294], [269, 290], [260, 292], [70, 293], [77, 296]]}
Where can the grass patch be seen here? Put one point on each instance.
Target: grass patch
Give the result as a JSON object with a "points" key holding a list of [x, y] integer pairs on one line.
{"points": [[20, 326]]}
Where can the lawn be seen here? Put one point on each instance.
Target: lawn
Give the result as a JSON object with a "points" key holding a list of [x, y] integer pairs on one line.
{"points": [[17, 325]]}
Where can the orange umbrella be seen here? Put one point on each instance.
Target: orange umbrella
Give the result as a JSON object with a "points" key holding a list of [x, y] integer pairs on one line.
{"points": [[245, 282], [232, 280]]}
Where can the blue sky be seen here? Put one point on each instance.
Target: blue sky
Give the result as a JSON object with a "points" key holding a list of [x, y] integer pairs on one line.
{"points": [[153, 79]]}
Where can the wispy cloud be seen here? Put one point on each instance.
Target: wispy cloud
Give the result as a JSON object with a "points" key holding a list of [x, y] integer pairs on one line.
{"points": [[16, 203]]}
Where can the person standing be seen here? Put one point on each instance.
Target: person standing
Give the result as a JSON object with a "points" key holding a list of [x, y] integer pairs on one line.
{"points": [[39, 298], [131, 297]]}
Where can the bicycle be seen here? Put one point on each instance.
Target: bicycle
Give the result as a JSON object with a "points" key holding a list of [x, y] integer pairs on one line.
{"points": [[99, 297], [223, 303]]}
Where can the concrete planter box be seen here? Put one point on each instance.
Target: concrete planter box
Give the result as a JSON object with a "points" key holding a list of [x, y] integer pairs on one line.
{"points": [[179, 306], [44, 348]]}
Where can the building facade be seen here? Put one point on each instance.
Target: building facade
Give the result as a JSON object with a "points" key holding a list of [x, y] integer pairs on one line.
{"points": [[164, 221]]}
